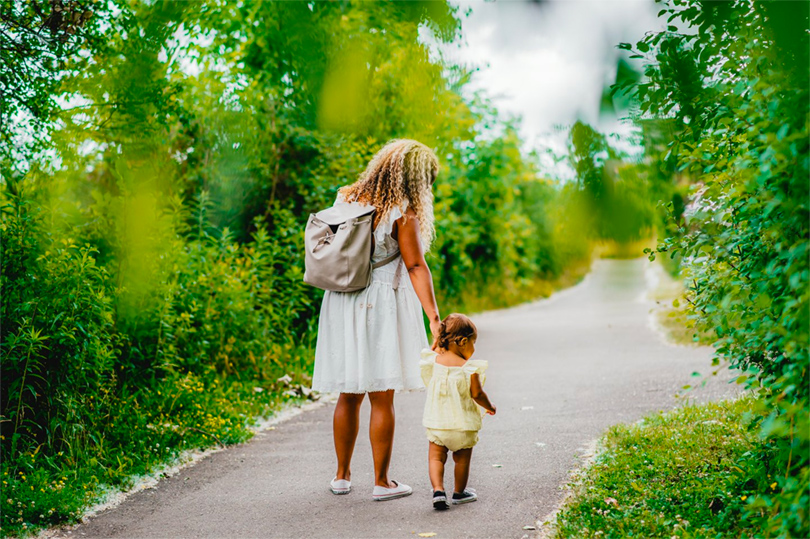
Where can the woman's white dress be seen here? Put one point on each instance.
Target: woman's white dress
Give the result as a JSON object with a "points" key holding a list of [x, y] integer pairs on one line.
{"points": [[370, 340]]}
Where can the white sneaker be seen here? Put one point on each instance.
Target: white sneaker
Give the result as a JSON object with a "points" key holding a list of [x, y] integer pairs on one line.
{"points": [[381, 494], [340, 486]]}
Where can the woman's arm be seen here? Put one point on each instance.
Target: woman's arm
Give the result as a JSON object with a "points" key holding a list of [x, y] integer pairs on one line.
{"points": [[479, 395], [410, 245]]}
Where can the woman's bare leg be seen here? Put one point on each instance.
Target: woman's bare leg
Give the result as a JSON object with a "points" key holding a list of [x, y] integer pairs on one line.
{"points": [[462, 459], [381, 434], [345, 425], [437, 456]]}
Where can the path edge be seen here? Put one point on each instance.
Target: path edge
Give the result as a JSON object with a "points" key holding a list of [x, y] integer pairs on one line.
{"points": [[547, 525], [115, 496]]}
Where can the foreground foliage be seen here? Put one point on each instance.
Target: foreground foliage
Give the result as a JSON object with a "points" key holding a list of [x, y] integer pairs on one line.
{"points": [[686, 473], [731, 93]]}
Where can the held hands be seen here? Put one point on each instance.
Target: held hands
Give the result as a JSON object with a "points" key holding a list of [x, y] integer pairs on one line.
{"points": [[434, 330], [491, 412]]}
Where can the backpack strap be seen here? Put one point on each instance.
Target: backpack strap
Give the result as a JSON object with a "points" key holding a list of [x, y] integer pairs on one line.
{"points": [[388, 260]]}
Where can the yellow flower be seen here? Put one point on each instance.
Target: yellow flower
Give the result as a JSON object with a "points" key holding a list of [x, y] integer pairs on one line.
{"points": [[743, 498], [773, 485]]}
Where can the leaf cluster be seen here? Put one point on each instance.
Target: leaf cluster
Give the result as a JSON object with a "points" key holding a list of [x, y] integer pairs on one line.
{"points": [[736, 105]]}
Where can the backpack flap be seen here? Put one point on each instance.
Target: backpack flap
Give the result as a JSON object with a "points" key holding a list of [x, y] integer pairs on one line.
{"points": [[338, 243], [340, 213]]}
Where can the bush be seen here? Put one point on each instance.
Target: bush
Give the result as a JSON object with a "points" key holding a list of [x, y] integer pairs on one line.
{"points": [[736, 86]]}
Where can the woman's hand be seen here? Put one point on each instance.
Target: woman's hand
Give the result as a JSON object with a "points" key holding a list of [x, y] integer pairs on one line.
{"points": [[434, 330]]}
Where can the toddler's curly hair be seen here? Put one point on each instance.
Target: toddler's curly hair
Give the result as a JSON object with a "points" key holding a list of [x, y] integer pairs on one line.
{"points": [[454, 328]]}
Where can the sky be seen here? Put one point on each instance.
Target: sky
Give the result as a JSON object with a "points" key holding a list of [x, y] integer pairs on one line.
{"points": [[548, 62]]}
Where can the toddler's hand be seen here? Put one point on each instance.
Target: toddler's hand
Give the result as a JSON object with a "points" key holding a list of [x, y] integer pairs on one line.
{"points": [[491, 412]]}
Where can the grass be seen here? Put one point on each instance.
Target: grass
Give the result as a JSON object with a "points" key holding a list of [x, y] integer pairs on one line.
{"points": [[623, 250], [671, 313], [681, 474], [135, 435], [678, 328], [510, 293]]}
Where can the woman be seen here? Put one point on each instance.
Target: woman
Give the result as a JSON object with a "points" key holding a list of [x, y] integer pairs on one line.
{"points": [[369, 341]]}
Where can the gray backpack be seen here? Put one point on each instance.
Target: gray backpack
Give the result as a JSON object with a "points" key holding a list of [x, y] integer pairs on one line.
{"points": [[339, 242]]}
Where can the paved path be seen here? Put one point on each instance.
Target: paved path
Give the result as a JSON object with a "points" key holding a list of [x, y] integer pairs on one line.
{"points": [[561, 371]]}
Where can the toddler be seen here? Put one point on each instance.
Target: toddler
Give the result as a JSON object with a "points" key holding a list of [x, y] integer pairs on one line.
{"points": [[452, 416]]}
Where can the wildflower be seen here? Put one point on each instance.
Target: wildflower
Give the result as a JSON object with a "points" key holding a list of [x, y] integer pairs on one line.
{"points": [[773, 485], [743, 498]]}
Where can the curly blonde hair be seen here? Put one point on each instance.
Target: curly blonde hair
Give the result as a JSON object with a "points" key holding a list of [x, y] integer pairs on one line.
{"points": [[402, 171]]}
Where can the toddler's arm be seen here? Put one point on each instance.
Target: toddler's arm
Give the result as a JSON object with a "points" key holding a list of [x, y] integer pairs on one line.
{"points": [[479, 395]]}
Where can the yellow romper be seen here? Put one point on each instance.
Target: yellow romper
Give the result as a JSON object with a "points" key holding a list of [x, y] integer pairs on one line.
{"points": [[452, 419]]}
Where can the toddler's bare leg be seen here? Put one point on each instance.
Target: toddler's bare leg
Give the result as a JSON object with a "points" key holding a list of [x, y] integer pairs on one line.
{"points": [[437, 456], [462, 459]]}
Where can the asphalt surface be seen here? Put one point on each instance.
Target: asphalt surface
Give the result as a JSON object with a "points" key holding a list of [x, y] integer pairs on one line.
{"points": [[561, 371]]}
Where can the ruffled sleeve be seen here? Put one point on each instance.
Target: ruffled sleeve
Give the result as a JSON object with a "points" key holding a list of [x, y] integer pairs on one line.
{"points": [[426, 365], [384, 228], [476, 366]]}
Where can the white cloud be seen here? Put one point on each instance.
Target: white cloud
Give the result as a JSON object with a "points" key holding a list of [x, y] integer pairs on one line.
{"points": [[549, 62]]}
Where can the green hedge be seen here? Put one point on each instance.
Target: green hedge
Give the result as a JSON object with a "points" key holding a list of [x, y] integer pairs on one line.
{"points": [[733, 91]]}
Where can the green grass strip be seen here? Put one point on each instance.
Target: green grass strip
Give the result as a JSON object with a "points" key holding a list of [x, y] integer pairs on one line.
{"points": [[685, 473]]}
